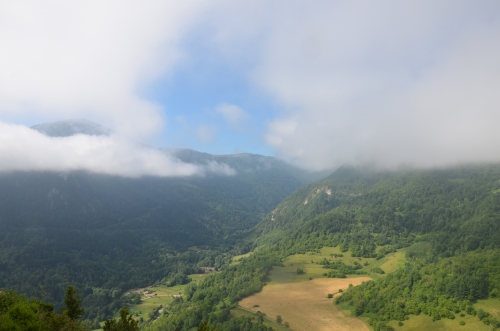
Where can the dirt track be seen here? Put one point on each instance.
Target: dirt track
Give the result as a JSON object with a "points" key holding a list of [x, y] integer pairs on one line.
{"points": [[305, 306]]}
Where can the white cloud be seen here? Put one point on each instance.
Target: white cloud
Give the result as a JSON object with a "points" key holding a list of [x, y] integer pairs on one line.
{"points": [[233, 114], [392, 82], [24, 149], [90, 59], [389, 82]]}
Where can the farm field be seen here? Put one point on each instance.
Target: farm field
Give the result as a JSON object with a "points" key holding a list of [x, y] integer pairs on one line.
{"points": [[301, 298], [304, 305]]}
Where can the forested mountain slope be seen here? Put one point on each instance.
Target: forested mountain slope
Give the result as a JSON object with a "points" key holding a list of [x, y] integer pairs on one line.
{"points": [[447, 219], [107, 234], [456, 209]]}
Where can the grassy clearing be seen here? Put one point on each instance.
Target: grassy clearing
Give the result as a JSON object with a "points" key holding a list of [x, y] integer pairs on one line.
{"points": [[393, 261], [236, 259], [267, 320], [305, 306], [309, 264]]}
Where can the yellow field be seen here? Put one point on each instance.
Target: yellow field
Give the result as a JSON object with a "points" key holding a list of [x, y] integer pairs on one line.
{"points": [[305, 306], [301, 299]]}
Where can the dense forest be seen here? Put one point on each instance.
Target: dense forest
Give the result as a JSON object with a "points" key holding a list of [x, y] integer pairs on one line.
{"points": [[107, 234], [447, 219]]}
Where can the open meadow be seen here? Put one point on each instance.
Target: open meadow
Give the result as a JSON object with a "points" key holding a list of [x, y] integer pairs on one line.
{"points": [[305, 306], [300, 298], [309, 263]]}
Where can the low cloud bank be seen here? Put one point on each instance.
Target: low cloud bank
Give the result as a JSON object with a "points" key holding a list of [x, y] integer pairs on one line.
{"points": [[24, 149]]}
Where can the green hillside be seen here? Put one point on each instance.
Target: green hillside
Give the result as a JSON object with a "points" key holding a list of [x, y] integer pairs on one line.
{"points": [[108, 234], [428, 239], [447, 219]]}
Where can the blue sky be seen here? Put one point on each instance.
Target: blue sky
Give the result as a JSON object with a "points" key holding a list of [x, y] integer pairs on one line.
{"points": [[317, 84], [190, 98]]}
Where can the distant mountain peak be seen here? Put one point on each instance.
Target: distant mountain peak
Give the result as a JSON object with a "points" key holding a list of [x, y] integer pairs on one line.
{"points": [[72, 127]]}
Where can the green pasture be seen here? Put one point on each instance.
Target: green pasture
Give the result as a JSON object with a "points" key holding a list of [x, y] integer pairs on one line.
{"points": [[309, 264]]}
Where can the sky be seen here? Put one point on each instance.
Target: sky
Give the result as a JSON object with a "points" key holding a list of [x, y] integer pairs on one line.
{"points": [[318, 84]]}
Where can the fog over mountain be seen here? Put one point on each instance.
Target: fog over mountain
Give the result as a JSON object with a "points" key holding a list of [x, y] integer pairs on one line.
{"points": [[83, 145], [72, 127], [317, 84]]}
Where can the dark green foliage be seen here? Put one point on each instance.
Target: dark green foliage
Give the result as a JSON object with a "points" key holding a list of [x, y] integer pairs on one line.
{"points": [[17, 313], [378, 271], [373, 214], [73, 303], [108, 234], [300, 271], [443, 213], [454, 209], [340, 269], [450, 218], [206, 327], [125, 323], [279, 320]]}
